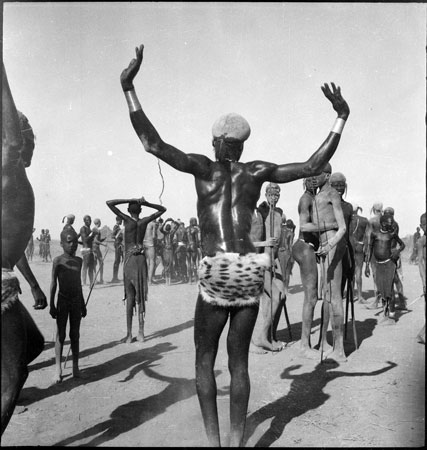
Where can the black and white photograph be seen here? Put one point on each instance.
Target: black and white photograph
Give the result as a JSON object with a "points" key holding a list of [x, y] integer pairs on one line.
{"points": [[213, 224]]}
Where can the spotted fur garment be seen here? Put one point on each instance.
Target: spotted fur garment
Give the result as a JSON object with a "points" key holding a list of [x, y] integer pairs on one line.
{"points": [[9, 289], [230, 279]]}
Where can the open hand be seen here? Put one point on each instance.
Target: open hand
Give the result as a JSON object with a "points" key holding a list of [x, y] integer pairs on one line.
{"points": [[127, 76], [335, 97]]}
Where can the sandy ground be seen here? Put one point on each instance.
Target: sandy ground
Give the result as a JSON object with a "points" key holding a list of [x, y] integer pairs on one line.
{"points": [[144, 394]]}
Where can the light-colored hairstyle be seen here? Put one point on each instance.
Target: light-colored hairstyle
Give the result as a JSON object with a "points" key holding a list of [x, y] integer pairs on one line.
{"points": [[272, 187]]}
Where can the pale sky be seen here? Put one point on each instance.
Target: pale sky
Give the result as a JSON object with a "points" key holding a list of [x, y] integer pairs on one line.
{"points": [[265, 61]]}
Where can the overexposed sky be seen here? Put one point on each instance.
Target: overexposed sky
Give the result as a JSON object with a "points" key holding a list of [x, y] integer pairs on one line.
{"points": [[265, 61]]}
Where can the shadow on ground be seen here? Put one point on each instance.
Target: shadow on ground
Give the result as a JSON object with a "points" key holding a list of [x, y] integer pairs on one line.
{"points": [[305, 394]]}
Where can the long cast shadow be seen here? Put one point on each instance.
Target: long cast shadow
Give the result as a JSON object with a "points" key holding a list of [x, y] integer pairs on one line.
{"points": [[306, 393], [82, 354], [93, 374], [364, 330], [133, 414], [171, 330]]}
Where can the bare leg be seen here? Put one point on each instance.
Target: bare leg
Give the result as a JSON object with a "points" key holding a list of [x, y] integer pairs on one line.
{"points": [[334, 274], [306, 258], [140, 337], [269, 306], [242, 322], [130, 301], [59, 346], [209, 321]]}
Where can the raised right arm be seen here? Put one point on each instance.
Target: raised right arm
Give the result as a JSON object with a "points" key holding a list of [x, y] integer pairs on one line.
{"points": [[112, 205], [148, 135]]}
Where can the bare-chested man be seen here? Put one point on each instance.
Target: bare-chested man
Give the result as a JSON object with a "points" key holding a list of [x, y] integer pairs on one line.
{"points": [[227, 192], [193, 245], [358, 227], [381, 245], [285, 257], [117, 235], [421, 254], [400, 302], [135, 270], [373, 225], [150, 238], [180, 242], [87, 237], [168, 232], [304, 253], [29, 251], [327, 208], [271, 302], [339, 182], [98, 241], [21, 341]]}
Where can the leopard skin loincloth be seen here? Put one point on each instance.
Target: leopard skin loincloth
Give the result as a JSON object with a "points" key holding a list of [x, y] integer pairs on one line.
{"points": [[9, 289], [230, 279]]}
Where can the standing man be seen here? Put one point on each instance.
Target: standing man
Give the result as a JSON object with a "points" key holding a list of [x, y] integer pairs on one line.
{"points": [[135, 271], [193, 249], [339, 183], [180, 241], [421, 254], [413, 258], [398, 275], [332, 248], [87, 236], [285, 257], [29, 251], [381, 244], [270, 303], [373, 225], [150, 238], [358, 227], [168, 232], [227, 192], [97, 242], [118, 248]]}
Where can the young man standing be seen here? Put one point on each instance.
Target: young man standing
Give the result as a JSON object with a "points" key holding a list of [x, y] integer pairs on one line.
{"points": [[227, 192], [135, 269]]}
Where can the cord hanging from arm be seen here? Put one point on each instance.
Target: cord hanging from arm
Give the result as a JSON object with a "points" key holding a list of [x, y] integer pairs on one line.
{"points": [[163, 182]]}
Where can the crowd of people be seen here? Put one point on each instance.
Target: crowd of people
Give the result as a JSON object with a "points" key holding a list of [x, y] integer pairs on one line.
{"points": [[240, 253]]}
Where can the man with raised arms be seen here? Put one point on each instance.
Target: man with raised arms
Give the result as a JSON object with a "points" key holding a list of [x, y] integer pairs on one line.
{"points": [[231, 276]]}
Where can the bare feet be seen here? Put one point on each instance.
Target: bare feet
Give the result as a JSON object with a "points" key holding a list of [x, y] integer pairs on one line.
{"points": [[79, 375], [326, 349], [57, 378], [140, 337], [262, 347], [127, 339], [387, 321], [309, 353], [336, 356]]}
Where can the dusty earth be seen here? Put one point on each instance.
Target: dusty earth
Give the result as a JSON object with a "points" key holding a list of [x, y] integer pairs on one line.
{"points": [[144, 394]]}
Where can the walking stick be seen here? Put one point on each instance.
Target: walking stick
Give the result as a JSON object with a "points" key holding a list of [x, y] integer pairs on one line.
{"points": [[271, 273], [285, 310], [353, 318], [88, 297]]}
